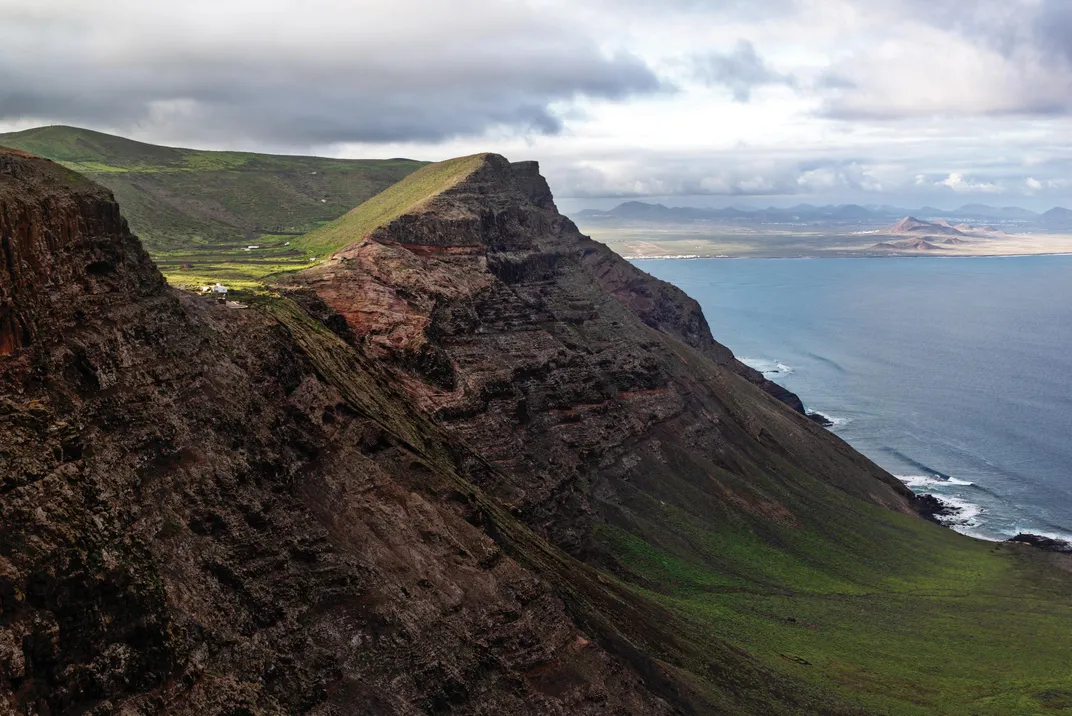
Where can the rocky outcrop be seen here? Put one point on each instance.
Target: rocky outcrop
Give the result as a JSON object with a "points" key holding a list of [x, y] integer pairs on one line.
{"points": [[670, 310], [1047, 544], [58, 246]]}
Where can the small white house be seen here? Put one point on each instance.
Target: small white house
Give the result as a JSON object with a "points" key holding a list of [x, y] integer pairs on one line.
{"points": [[219, 292]]}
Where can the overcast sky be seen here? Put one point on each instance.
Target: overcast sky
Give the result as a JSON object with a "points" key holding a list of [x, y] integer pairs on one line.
{"points": [[703, 102]]}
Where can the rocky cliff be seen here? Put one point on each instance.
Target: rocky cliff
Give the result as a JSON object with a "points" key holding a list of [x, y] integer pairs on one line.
{"points": [[396, 488], [576, 374]]}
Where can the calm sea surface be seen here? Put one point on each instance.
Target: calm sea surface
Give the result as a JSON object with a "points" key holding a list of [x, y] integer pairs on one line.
{"points": [[952, 373]]}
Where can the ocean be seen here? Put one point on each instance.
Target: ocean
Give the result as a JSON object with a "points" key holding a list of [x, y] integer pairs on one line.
{"points": [[955, 374]]}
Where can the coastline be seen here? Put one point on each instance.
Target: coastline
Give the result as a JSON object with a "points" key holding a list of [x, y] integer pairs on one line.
{"points": [[809, 326], [945, 513], [640, 241], [961, 513]]}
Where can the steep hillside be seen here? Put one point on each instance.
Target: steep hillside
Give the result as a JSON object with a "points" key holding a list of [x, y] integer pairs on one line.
{"points": [[519, 477], [624, 433], [196, 210]]}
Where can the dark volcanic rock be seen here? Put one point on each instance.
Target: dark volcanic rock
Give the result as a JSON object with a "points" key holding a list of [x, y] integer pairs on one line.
{"points": [[934, 509], [820, 419], [1047, 544]]}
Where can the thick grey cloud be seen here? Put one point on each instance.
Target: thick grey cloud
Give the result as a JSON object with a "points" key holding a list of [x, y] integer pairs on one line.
{"points": [[1053, 27], [322, 72], [741, 71], [947, 174]]}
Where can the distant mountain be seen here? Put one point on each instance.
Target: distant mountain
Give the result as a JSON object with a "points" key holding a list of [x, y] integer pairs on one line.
{"points": [[912, 225], [1058, 218], [992, 212], [640, 210], [852, 212]]}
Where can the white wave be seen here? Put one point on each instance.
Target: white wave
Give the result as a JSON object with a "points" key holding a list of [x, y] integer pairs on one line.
{"points": [[767, 366], [932, 480], [835, 422], [967, 514], [921, 480]]}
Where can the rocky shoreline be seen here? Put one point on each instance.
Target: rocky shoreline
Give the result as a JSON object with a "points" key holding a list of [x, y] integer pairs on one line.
{"points": [[1046, 544], [820, 419], [939, 511]]}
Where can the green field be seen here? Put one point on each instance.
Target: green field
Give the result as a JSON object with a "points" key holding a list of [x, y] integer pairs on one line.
{"points": [[200, 209], [917, 621], [863, 606]]}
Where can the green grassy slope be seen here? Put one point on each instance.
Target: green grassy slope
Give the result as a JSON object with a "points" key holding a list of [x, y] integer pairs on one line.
{"points": [[871, 608], [401, 198], [196, 211]]}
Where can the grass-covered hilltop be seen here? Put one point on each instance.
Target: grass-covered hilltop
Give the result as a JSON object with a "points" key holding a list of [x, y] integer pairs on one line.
{"points": [[404, 197], [197, 211], [476, 463]]}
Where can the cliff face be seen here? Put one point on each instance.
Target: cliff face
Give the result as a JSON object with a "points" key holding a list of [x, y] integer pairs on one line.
{"points": [[206, 511], [577, 375], [58, 246]]}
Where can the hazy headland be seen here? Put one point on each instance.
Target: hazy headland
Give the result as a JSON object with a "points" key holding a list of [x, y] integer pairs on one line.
{"points": [[640, 230]]}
